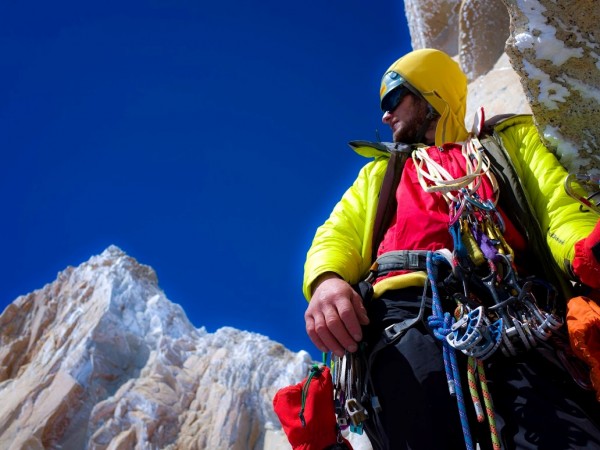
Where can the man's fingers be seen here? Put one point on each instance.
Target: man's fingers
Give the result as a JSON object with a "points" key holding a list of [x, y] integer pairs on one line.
{"points": [[336, 327], [350, 321], [312, 334], [360, 309], [327, 331], [322, 336]]}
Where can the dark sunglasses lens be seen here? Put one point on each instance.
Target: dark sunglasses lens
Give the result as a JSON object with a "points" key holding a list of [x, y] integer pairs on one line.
{"points": [[394, 98]]}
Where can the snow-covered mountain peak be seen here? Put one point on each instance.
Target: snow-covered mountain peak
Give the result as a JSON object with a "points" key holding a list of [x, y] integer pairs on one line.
{"points": [[101, 356]]}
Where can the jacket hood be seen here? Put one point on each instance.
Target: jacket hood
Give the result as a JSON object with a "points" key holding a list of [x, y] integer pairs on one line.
{"points": [[439, 79]]}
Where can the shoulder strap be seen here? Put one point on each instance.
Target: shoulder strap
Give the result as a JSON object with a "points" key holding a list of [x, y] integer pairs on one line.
{"points": [[515, 203], [489, 124], [386, 205]]}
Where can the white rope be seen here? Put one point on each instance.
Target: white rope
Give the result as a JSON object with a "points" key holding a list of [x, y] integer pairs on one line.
{"points": [[434, 178]]}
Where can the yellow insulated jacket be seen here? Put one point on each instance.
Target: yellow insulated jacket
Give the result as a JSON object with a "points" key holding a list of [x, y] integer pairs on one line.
{"points": [[555, 223]]}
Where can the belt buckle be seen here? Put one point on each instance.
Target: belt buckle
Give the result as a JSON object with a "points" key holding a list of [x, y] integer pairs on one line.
{"points": [[413, 260], [388, 332], [392, 329]]}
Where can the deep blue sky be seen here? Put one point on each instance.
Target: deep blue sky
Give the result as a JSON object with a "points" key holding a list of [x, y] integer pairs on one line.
{"points": [[205, 139]]}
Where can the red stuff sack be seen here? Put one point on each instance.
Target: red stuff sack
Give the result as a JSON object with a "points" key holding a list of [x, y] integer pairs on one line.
{"points": [[307, 413]]}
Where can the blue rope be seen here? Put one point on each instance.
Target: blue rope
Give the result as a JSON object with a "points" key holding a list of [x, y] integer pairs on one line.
{"points": [[441, 324], [440, 330]]}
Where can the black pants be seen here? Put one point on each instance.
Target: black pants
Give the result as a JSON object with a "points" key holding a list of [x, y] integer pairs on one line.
{"points": [[536, 402]]}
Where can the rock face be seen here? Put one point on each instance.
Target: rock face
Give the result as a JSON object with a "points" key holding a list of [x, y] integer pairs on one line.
{"points": [[553, 51], [498, 92], [472, 30], [433, 24], [474, 33], [101, 359], [554, 47]]}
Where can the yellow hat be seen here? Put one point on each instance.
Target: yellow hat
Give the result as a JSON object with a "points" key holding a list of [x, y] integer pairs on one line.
{"points": [[440, 81]]}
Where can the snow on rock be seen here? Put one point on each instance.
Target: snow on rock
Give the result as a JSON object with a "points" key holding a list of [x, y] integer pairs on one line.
{"points": [[101, 359], [554, 47], [525, 56]]}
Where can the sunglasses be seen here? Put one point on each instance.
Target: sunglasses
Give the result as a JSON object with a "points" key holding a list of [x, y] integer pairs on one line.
{"points": [[391, 101]]}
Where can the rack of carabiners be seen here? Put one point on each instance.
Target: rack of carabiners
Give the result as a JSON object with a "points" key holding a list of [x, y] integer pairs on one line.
{"points": [[496, 309], [493, 307]]}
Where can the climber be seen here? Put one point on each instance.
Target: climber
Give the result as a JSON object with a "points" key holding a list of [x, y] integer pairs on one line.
{"points": [[436, 255]]}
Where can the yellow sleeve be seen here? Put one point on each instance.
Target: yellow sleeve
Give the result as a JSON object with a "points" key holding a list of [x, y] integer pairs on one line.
{"points": [[343, 243], [543, 177]]}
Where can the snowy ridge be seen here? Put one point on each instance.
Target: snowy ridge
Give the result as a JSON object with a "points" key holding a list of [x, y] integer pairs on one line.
{"points": [[102, 359]]}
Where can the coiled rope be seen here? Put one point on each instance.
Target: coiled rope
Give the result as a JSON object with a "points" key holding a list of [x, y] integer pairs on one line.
{"points": [[434, 178]]}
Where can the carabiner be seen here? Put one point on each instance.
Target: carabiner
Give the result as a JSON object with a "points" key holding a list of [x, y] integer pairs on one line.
{"points": [[591, 181]]}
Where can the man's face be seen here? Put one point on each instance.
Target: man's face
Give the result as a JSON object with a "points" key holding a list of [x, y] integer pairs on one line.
{"points": [[406, 119]]}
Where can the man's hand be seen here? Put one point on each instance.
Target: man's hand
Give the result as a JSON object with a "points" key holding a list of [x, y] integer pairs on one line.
{"points": [[334, 315]]}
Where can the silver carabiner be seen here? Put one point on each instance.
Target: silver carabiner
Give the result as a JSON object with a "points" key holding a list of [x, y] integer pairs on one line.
{"points": [[573, 187]]}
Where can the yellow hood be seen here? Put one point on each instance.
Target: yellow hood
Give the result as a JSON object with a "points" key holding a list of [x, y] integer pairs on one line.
{"points": [[443, 84]]}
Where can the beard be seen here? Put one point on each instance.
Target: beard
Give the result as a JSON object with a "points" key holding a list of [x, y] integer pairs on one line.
{"points": [[412, 130]]}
